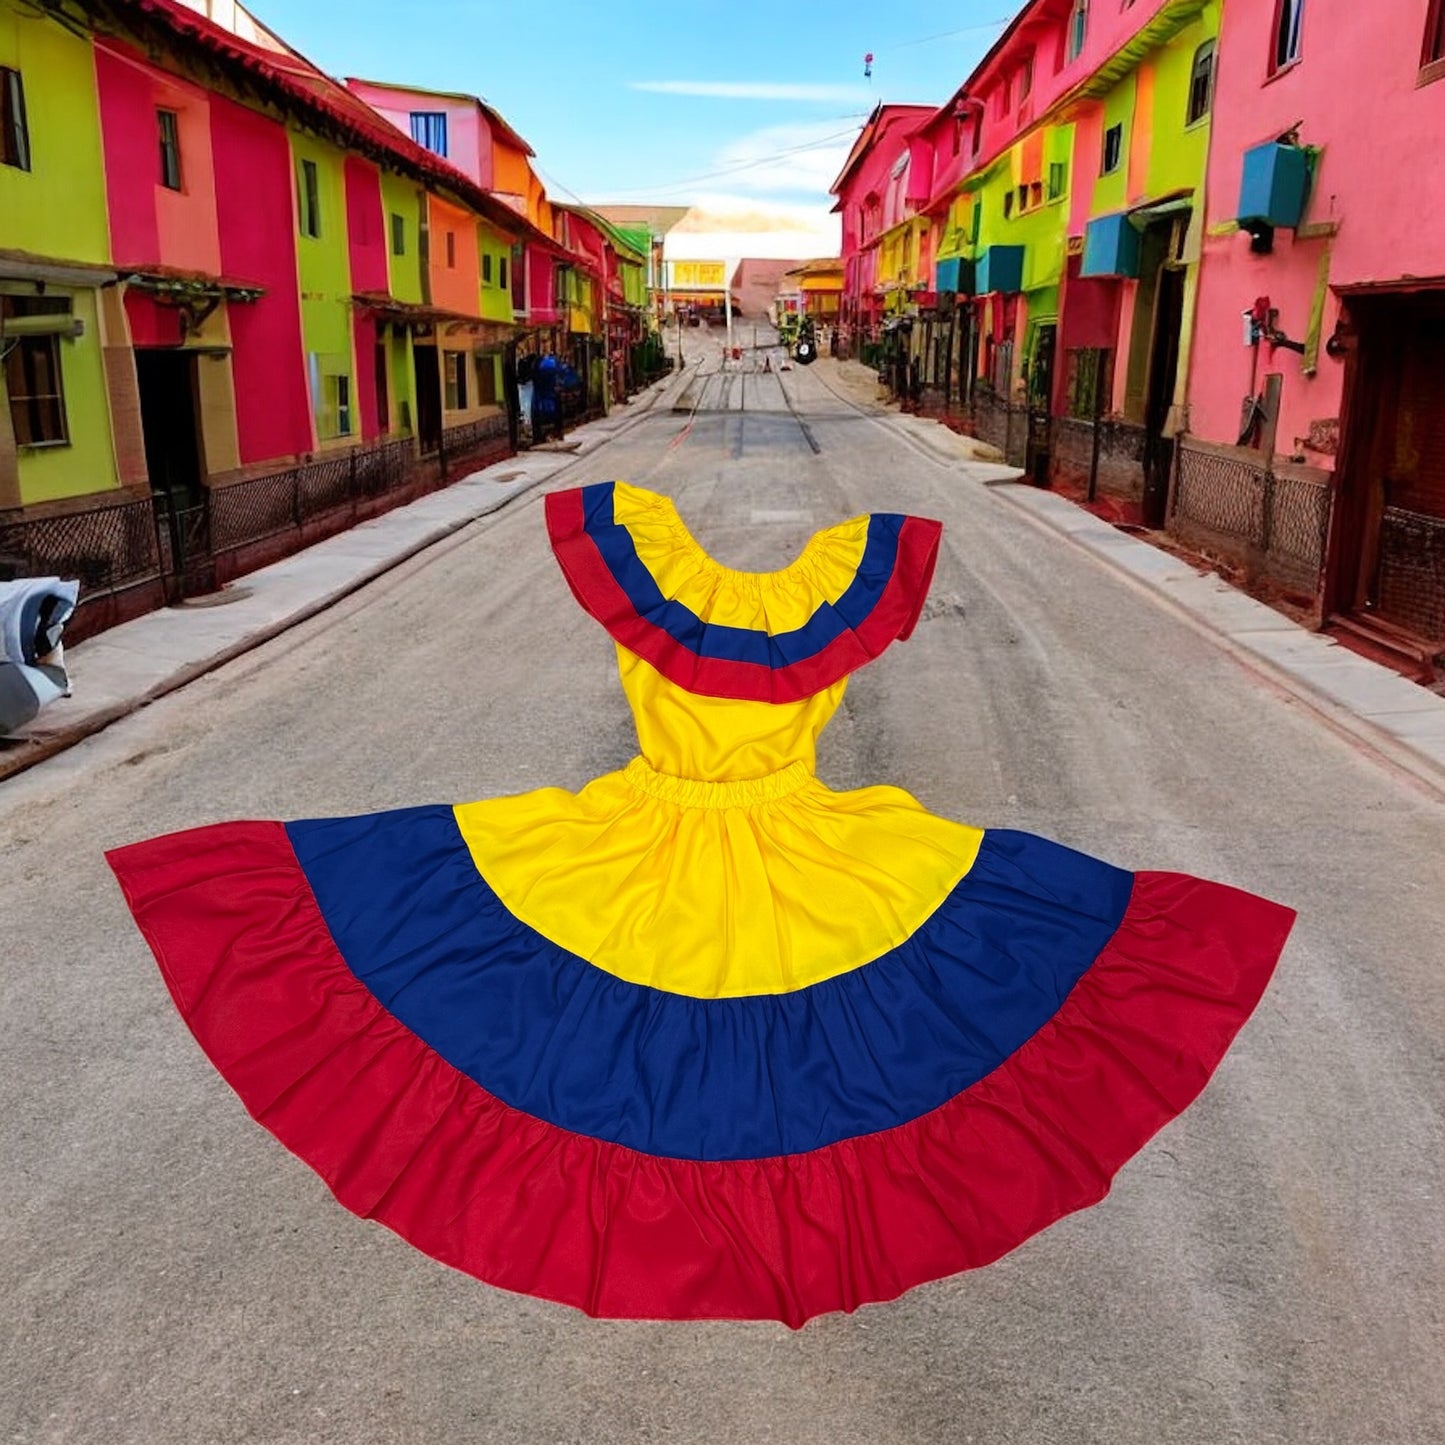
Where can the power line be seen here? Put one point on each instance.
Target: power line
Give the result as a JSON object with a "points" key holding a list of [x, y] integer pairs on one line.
{"points": [[745, 165]]}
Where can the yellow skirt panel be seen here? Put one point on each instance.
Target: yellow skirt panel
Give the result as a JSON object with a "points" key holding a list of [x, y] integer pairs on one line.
{"points": [[718, 890]]}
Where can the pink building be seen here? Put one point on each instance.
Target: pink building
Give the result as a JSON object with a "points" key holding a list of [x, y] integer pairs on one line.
{"points": [[474, 137], [1321, 192], [871, 200]]}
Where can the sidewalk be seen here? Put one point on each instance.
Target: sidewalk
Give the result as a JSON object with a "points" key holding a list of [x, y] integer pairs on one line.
{"points": [[122, 670], [1398, 719]]}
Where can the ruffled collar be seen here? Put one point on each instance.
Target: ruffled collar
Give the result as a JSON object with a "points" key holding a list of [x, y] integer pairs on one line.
{"points": [[776, 636]]}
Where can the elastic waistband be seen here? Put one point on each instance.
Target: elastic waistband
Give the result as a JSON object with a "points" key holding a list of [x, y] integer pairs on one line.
{"points": [[694, 793]]}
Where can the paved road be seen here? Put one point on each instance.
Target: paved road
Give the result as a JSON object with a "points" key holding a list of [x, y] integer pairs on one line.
{"points": [[1269, 1270]]}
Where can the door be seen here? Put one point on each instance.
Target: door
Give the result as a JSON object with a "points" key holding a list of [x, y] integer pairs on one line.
{"points": [[170, 430], [1038, 451], [428, 397], [167, 378], [1391, 523], [1159, 398]]}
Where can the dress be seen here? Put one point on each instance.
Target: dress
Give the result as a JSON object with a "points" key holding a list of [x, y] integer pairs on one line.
{"points": [[706, 1039]]}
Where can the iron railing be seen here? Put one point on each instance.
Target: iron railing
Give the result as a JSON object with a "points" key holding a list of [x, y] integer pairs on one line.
{"points": [[1273, 517], [1410, 583]]}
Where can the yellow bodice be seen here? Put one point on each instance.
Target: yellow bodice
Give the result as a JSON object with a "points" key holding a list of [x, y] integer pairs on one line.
{"points": [[721, 739]]}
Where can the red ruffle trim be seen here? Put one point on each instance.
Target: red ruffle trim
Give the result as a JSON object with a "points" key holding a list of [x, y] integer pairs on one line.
{"points": [[892, 620], [402, 1137]]}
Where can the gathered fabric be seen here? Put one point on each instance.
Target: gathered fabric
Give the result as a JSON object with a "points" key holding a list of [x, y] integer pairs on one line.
{"points": [[706, 1038]]}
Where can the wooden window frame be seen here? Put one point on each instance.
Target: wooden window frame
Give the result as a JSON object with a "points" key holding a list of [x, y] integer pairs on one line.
{"points": [[1205, 110], [341, 383], [14, 122], [1076, 37], [486, 268], [451, 249], [308, 183], [398, 234], [421, 123], [502, 283], [1058, 172], [454, 380], [17, 359], [168, 127], [1283, 9], [1105, 169], [1432, 48]]}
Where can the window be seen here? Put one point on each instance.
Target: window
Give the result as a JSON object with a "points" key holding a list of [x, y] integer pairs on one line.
{"points": [[170, 134], [14, 132], [486, 379], [310, 199], [519, 279], [1434, 51], [1201, 83], [33, 375], [1026, 78], [1002, 103], [1023, 198], [398, 235], [977, 224], [452, 249], [456, 374], [1058, 179], [1113, 149], [1036, 193], [341, 400], [502, 272], [429, 129], [1078, 28], [1008, 203], [1288, 20], [486, 268], [383, 387]]}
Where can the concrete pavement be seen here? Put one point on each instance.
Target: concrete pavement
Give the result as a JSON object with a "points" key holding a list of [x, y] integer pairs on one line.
{"points": [[132, 665], [1266, 1272], [121, 670]]}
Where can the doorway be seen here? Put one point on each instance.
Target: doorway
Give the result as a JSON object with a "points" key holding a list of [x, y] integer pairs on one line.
{"points": [[169, 422], [1159, 399], [1039, 448], [428, 397], [1388, 557]]}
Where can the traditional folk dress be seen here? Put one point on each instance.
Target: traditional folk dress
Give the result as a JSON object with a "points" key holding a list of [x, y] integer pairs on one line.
{"points": [[706, 1039]]}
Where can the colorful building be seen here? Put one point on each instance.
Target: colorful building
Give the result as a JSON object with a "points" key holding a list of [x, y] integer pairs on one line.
{"points": [[1324, 408], [238, 308], [871, 190], [59, 386]]}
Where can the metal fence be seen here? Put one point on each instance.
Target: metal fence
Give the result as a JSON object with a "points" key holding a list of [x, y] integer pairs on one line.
{"points": [[1271, 518], [104, 548], [176, 547], [1410, 584]]}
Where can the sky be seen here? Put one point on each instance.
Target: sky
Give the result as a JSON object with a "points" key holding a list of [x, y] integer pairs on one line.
{"points": [[745, 108]]}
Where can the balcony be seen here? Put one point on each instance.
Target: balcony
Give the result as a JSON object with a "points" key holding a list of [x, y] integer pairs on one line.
{"points": [[954, 274], [1000, 268], [1111, 247], [1273, 186]]}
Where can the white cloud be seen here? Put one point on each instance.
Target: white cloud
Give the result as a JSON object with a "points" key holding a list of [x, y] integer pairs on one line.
{"points": [[730, 226], [754, 90], [803, 157]]}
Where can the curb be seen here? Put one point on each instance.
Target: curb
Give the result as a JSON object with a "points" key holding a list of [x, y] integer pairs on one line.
{"points": [[49, 744], [1399, 721]]}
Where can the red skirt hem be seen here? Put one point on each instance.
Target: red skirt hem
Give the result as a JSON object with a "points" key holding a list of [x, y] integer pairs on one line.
{"points": [[402, 1137]]}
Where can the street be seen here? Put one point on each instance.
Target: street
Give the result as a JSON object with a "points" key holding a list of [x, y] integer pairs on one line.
{"points": [[1270, 1268]]}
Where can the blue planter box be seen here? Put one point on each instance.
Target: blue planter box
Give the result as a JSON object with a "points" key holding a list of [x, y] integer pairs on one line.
{"points": [[1274, 184], [1001, 268], [1111, 247], [955, 275]]}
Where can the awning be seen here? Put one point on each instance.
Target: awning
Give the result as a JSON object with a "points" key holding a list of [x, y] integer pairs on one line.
{"points": [[26, 266], [1177, 203]]}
